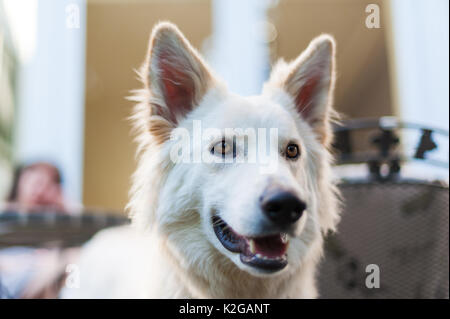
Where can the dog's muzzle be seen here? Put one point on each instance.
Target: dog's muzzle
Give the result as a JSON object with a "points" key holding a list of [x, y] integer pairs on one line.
{"points": [[267, 253]]}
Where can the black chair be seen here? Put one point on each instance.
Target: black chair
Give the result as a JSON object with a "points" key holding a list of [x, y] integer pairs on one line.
{"points": [[398, 224]]}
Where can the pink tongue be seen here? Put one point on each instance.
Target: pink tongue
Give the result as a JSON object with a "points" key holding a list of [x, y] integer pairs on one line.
{"points": [[270, 246]]}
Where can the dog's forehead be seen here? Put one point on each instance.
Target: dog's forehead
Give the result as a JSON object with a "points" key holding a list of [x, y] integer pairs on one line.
{"points": [[251, 112]]}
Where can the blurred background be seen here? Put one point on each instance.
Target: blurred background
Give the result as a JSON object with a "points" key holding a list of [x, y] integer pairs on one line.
{"points": [[66, 67]]}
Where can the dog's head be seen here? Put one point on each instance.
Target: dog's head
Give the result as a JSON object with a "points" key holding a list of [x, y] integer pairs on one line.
{"points": [[235, 180]]}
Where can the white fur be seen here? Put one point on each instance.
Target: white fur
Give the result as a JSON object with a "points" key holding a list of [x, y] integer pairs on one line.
{"points": [[171, 250]]}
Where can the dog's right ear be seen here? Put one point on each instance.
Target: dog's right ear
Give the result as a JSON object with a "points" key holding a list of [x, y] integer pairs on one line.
{"points": [[309, 80], [175, 74]]}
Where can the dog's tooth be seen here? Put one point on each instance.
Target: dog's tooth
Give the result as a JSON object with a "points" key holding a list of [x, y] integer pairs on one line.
{"points": [[259, 256], [251, 244], [284, 238]]}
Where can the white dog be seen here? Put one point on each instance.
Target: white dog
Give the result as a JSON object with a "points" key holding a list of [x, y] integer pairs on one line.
{"points": [[219, 220]]}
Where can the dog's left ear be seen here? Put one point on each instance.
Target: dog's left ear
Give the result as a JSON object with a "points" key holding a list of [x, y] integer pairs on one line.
{"points": [[176, 75], [309, 80]]}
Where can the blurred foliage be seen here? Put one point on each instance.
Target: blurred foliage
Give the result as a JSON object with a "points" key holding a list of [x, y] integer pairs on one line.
{"points": [[7, 79], [8, 69]]}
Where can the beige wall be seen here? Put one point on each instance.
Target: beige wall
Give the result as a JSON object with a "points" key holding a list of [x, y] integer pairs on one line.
{"points": [[362, 88], [117, 35]]}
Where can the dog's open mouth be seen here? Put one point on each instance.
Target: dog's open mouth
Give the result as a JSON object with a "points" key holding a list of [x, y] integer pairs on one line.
{"points": [[266, 253]]}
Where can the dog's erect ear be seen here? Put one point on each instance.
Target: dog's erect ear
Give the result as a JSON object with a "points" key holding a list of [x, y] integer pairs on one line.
{"points": [[176, 75], [309, 80]]}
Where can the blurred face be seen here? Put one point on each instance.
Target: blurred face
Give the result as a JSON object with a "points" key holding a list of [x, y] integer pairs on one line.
{"points": [[38, 186]]}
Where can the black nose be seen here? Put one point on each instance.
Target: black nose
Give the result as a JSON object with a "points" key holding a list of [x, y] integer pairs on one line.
{"points": [[282, 208]]}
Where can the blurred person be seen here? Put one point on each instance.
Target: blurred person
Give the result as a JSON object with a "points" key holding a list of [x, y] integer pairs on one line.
{"points": [[29, 272], [37, 186]]}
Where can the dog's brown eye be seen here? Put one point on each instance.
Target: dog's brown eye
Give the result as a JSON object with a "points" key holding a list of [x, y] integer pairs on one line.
{"points": [[221, 148], [292, 151]]}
